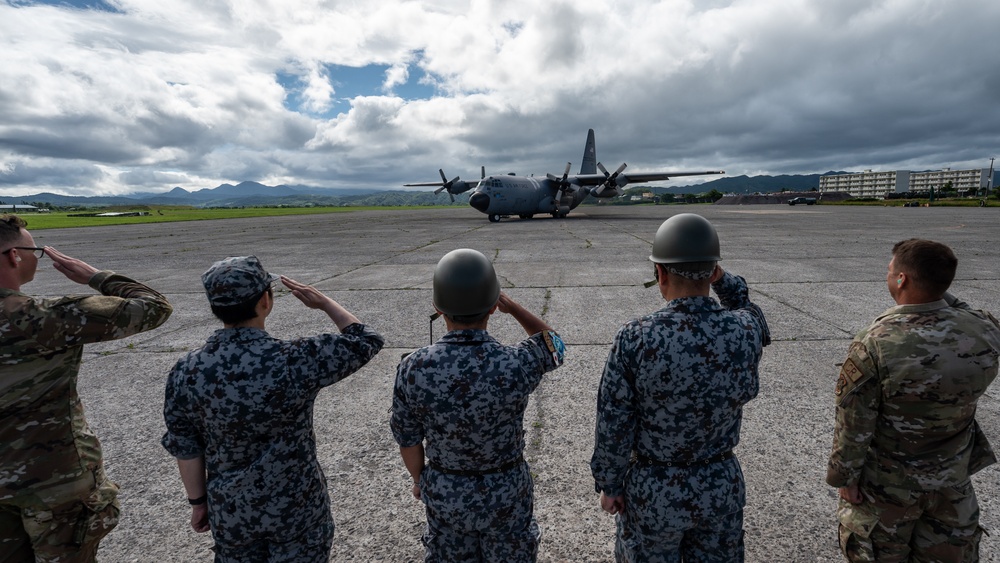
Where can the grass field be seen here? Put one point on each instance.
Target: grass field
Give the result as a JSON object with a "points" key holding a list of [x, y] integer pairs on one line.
{"points": [[61, 220], [940, 202], [170, 214]]}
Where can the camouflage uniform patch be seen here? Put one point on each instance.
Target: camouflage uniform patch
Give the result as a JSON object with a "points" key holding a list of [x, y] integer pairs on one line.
{"points": [[244, 402], [906, 431], [851, 376], [52, 479], [464, 397], [673, 390]]}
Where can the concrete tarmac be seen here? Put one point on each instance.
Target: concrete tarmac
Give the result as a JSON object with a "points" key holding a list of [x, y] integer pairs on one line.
{"points": [[818, 273]]}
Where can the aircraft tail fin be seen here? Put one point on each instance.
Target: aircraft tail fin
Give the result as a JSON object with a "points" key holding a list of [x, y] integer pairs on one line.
{"points": [[589, 163]]}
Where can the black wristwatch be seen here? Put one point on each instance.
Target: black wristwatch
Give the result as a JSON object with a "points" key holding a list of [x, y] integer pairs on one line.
{"points": [[200, 500]]}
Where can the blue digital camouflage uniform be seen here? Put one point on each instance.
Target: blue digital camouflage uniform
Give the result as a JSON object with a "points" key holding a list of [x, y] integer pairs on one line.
{"points": [[464, 397], [673, 391], [906, 432], [55, 498], [244, 401]]}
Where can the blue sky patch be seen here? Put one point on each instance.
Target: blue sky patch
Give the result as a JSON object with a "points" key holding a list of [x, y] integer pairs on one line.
{"points": [[350, 82], [98, 5]]}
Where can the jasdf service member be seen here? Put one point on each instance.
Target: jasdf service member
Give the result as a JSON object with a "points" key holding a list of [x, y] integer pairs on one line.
{"points": [[239, 416], [458, 417], [670, 405]]}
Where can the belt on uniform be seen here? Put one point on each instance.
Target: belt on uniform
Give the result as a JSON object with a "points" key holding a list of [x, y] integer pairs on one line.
{"points": [[643, 460], [477, 472]]}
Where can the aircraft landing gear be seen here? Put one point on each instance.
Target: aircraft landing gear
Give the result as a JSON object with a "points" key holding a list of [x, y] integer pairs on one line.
{"points": [[495, 218], [526, 215]]}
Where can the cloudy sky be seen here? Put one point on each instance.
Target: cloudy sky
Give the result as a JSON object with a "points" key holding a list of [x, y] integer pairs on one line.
{"points": [[121, 96]]}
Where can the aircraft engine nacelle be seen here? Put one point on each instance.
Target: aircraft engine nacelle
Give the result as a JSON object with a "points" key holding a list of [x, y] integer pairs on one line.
{"points": [[604, 194]]}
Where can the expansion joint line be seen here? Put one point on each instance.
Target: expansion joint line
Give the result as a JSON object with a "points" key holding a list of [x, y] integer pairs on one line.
{"points": [[805, 312], [398, 254]]}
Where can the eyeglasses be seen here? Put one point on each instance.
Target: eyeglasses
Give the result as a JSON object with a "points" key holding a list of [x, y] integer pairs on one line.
{"points": [[38, 252]]}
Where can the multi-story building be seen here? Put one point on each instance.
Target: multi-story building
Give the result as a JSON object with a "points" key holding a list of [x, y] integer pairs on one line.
{"points": [[962, 181], [879, 184], [867, 183]]}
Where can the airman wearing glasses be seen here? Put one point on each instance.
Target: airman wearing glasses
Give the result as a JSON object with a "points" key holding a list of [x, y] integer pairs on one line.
{"points": [[56, 503]]}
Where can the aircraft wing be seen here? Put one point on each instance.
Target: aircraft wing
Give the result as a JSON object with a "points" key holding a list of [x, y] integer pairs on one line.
{"points": [[639, 177], [635, 177]]}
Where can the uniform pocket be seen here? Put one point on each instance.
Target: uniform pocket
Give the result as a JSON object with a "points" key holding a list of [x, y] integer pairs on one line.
{"points": [[857, 521], [99, 515]]}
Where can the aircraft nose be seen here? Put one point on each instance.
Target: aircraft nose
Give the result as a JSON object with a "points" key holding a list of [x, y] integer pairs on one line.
{"points": [[479, 201]]}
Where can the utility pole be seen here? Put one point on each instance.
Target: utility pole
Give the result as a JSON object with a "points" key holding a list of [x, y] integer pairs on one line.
{"points": [[989, 180]]}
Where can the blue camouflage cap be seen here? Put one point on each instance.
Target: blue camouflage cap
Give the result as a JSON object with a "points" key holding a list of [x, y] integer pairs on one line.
{"points": [[235, 280]]}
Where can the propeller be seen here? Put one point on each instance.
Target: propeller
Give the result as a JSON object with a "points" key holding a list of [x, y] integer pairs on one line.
{"points": [[562, 184], [446, 184], [610, 180], [453, 186]]}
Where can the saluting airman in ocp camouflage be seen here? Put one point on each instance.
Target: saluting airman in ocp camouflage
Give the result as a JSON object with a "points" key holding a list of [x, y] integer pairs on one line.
{"points": [[239, 417], [463, 399], [906, 439], [56, 503], [670, 405]]}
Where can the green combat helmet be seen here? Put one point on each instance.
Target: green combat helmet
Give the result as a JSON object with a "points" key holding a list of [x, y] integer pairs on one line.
{"points": [[685, 238], [465, 284]]}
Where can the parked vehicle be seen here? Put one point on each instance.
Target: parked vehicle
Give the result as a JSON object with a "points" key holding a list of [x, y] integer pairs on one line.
{"points": [[805, 200]]}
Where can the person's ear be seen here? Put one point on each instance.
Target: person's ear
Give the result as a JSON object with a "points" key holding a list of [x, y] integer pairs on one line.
{"points": [[716, 274]]}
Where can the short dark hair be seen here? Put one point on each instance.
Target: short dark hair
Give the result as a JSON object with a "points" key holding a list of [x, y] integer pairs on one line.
{"points": [[10, 228], [234, 314], [930, 265]]}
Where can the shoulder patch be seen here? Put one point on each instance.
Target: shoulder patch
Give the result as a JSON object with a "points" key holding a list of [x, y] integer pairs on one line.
{"points": [[850, 378], [555, 346]]}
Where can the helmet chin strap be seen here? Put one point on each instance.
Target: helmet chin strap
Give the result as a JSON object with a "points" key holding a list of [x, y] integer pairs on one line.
{"points": [[433, 318]]}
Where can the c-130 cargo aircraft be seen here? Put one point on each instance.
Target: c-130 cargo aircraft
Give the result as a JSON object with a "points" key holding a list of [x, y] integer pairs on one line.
{"points": [[525, 196]]}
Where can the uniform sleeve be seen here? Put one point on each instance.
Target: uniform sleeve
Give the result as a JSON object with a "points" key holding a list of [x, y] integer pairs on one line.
{"points": [[540, 354], [181, 440], [326, 359], [735, 296], [614, 434], [126, 307], [406, 427], [858, 396]]}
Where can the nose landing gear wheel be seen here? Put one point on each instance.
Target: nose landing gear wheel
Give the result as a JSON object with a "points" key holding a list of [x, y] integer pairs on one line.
{"points": [[495, 218]]}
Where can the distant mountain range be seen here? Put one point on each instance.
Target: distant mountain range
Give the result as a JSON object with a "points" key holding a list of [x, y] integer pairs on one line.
{"points": [[250, 194], [226, 195], [751, 184]]}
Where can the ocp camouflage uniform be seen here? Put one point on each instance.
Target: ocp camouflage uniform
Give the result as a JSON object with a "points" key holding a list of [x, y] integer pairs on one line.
{"points": [[55, 499], [668, 417], [244, 401], [906, 432], [464, 397]]}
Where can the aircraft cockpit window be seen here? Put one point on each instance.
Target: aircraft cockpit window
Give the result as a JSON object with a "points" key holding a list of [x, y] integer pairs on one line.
{"points": [[495, 183]]}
